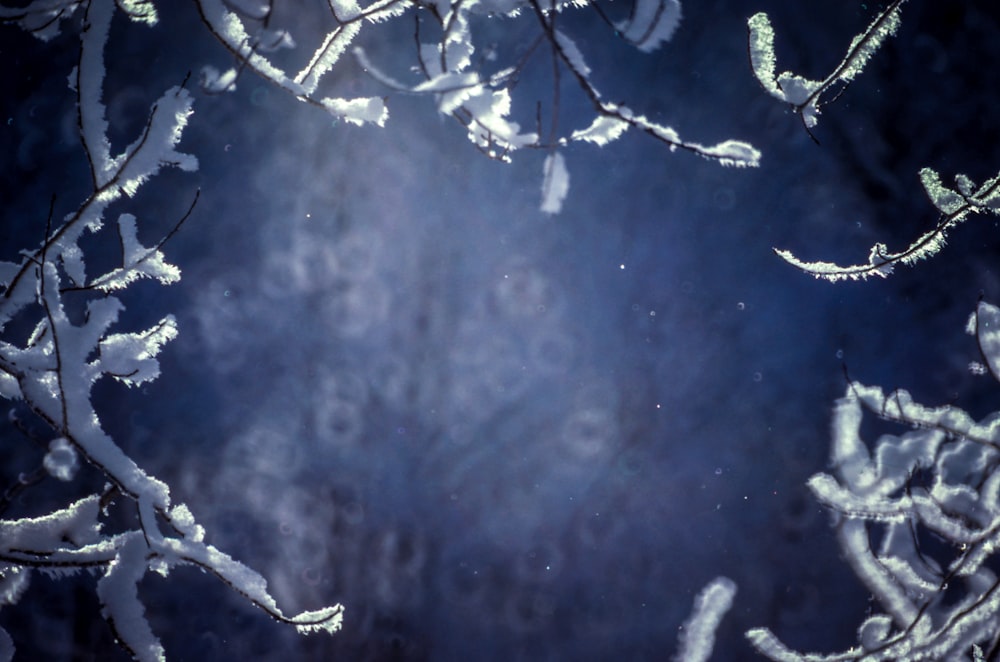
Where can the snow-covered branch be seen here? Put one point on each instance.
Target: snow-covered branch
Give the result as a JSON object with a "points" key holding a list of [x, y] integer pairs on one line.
{"points": [[955, 206], [53, 371], [938, 480], [806, 98], [804, 95]]}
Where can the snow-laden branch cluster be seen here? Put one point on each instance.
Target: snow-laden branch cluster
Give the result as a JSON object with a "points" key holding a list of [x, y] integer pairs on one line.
{"points": [[807, 97], [53, 371], [460, 70], [918, 518]]}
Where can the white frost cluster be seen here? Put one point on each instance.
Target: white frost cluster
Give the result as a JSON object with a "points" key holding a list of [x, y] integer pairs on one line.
{"points": [[61, 461], [555, 183], [940, 477]]}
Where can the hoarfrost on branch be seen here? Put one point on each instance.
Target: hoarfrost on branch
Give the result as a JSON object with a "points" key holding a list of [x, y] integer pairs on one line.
{"points": [[941, 476], [939, 479], [806, 98]]}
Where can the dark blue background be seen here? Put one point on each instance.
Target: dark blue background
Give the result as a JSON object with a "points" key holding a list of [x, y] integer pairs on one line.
{"points": [[490, 433]]}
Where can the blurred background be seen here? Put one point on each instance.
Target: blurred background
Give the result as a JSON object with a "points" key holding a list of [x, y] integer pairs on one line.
{"points": [[490, 433]]}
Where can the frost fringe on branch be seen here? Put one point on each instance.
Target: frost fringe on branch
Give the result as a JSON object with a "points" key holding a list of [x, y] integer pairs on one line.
{"points": [[955, 205], [805, 97], [697, 636], [800, 92], [451, 67], [939, 481], [53, 371]]}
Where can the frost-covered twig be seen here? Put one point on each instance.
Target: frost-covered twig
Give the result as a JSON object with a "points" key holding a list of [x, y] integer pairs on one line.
{"points": [[805, 97], [803, 94], [614, 119], [697, 636], [230, 29], [955, 206]]}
